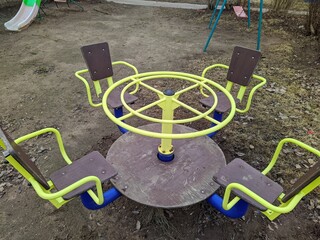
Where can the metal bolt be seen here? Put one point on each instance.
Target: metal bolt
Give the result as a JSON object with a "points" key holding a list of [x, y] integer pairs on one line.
{"points": [[103, 171], [203, 191]]}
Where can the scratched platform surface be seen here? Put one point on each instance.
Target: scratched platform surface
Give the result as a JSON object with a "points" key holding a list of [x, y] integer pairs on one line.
{"points": [[184, 181]]}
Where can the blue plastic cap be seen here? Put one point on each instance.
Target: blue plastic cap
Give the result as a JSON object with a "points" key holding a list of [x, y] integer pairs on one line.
{"points": [[169, 92]]}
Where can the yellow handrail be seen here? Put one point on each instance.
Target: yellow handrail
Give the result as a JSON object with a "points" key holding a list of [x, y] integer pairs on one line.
{"points": [[284, 207], [279, 148], [78, 75], [46, 194], [166, 74], [43, 131], [253, 90], [97, 84], [227, 206], [49, 196]]}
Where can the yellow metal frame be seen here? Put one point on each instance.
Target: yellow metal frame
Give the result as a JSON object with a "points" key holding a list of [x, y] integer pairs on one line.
{"points": [[55, 197], [168, 102], [97, 85], [274, 211], [242, 89]]}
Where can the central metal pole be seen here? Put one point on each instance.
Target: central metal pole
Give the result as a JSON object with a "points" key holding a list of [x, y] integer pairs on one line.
{"points": [[165, 149]]}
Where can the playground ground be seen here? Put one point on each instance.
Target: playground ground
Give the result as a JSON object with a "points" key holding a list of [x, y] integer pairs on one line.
{"points": [[38, 89]]}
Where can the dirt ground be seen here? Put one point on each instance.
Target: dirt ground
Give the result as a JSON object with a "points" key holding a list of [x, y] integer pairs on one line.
{"points": [[39, 89]]}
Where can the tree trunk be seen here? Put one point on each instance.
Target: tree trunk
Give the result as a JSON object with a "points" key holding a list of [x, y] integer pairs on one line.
{"points": [[313, 19]]}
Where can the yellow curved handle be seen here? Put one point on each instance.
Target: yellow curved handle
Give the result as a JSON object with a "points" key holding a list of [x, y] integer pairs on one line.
{"points": [[253, 90], [98, 199], [43, 131], [78, 75], [133, 68], [279, 148], [97, 85], [228, 205], [218, 65]]}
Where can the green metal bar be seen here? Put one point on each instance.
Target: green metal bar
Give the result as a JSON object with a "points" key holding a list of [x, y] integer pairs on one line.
{"points": [[260, 25], [214, 13], [214, 26], [249, 14]]}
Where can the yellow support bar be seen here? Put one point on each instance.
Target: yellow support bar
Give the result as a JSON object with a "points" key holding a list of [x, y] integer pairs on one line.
{"points": [[241, 92], [97, 87], [2, 145], [229, 86], [109, 81], [168, 107]]}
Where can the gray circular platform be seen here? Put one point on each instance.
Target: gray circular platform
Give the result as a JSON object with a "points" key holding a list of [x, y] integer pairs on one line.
{"points": [[184, 181]]}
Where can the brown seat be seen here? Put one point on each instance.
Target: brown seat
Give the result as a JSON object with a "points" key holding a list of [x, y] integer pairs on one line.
{"points": [[98, 60], [238, 171], [93, 164], [242, 65], [223, 104]]}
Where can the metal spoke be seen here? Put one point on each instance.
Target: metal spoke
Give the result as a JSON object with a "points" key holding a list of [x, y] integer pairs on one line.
{"points": [[141, 109], [195, 111], [187, 89], [151, 88]]}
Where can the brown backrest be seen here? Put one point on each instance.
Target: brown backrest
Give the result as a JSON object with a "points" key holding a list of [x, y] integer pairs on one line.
{"points": [[307, 178], [242, 65], [17, 152], [98, 60]]}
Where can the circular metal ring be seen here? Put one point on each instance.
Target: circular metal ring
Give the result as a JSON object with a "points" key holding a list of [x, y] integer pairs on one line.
{"points": [[139, 78]]}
